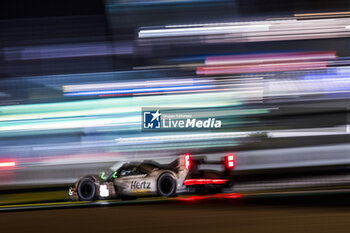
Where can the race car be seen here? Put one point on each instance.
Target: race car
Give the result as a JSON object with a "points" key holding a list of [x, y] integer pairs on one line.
{"points": [[134, 179]]}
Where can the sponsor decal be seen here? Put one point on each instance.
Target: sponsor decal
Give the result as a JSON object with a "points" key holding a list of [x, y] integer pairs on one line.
{"points": [[138, 186], [192, 123]]}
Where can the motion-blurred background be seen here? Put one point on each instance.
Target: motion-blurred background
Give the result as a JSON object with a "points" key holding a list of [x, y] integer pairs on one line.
{"points": [[75, 75]]}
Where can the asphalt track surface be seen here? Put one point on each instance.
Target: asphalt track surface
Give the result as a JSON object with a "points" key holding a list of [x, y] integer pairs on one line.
{"points": [[291, 212]]}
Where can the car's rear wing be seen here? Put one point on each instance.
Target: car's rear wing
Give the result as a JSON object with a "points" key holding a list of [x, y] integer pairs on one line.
{"points": [[197, 175]]}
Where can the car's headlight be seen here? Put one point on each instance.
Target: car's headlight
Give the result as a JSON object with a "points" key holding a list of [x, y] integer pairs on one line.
{"points": [[70, 191], [104, 192]]}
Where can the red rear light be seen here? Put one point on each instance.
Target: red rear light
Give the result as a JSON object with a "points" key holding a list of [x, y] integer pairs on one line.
{"points": [[230, 161], [189, 182], [188, 161]]}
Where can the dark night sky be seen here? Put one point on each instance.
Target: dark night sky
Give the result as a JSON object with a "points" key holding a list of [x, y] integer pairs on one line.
{"points": [[10, 9]]}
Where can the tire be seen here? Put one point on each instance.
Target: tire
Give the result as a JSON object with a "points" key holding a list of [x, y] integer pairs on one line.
{"points": [[166, 185], [86, 189]]}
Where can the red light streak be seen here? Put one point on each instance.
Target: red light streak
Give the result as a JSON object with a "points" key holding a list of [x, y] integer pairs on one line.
{"points": [[214, 196], [275, 67], [189, 182], [269, 58]]}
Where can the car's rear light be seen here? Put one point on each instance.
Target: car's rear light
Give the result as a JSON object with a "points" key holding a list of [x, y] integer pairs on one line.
{"points": [[230, 161], [188, 161]]}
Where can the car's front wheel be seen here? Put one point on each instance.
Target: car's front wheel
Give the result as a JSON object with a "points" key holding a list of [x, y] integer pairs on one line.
{"points": [[166, 185], [86, 189]]}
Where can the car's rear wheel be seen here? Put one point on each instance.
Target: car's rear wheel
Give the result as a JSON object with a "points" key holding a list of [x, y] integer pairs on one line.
{"points": [[86, 189], [166, 185]]}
